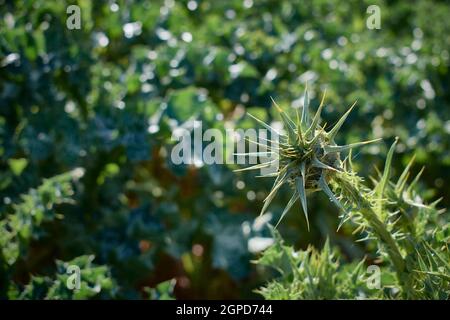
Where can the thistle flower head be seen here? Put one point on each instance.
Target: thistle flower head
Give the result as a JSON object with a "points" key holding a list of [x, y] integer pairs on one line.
{"points": [[308, 157]]}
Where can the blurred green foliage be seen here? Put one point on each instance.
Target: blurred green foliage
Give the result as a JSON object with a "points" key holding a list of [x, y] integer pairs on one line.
{"points": [[86, 118], [95, 282]]}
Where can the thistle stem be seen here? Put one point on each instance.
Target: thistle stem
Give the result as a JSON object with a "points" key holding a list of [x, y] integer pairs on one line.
{"points": [[383, 234]]}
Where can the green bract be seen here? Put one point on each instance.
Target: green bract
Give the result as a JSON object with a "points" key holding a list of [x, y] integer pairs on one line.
{"points": [[308, 156]]}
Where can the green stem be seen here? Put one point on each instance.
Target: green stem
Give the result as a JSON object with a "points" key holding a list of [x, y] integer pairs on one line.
{"points": [[385, 237], [392, 249]]}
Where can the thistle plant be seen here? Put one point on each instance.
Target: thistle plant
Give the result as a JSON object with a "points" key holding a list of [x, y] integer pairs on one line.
{"points": [[308, 157], [392, 213], [312, 274]]}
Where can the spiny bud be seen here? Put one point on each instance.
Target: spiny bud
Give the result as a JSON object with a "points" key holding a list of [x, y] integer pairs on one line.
{"points": [[307, 155]]}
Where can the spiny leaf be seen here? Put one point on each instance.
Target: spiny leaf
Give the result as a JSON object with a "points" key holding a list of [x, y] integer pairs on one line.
{"points": [[265, 125], [446, 263], [387, 171], [367, 238], [305, 111], [315, 138], [277, 184], [380, 187], [318, 164], [416, 179], [256, 166], [269, 175], [356, 271], [444, 276], [316, 118], [303, 169], [288, 206], [272, 142], [332, 133], [260, 144], [281, 111], [344, 219], [350, 161], [435, 203], [299, 127], [359, 228], [415, 203], [402, 187], [330, 149], [254, 154], [404, 176], [288, 124], [324, 186], [302, 195], [279, 181]]}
